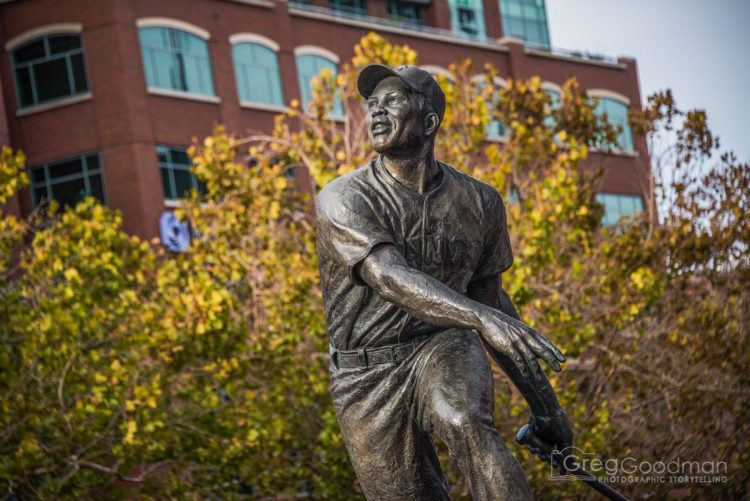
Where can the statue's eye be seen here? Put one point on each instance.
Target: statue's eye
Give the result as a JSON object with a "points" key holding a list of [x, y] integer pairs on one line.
{"points": [[395, 99]]}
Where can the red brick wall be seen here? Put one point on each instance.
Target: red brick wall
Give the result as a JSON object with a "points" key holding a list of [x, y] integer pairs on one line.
{"points": [[125, 123]]}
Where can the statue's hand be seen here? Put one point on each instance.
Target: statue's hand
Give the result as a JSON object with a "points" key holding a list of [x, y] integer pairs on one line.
{"points": [[554, 430], [522, 344]]}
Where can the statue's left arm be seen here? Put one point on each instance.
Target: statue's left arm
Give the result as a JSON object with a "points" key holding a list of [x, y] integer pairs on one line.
{"points": [[549, 421]]}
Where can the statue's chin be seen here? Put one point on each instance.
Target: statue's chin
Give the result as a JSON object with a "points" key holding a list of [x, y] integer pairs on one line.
{"points": [[396, 149]]}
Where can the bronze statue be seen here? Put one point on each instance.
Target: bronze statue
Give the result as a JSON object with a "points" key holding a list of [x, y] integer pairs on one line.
{"points": [[411, 256]]}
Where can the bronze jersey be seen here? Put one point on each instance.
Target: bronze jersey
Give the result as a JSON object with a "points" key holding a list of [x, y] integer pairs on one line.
{"points": [[456, 233]]}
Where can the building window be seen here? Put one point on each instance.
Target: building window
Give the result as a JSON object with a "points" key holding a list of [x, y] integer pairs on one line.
{"points": [[405, 12], [176, 60], [617, 206], [617, 115], [467, 17], [351, 6], [308, 67], [176, 177], [257, 70], [68, 181], [527, 20], [495, 129], [48, 68], [554, 104]]}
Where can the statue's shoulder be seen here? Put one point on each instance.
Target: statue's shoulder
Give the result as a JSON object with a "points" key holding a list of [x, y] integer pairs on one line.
{"points": [[349, 187], [485, 192]]}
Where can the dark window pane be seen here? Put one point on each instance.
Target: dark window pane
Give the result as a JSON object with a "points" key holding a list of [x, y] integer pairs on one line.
{"points": [[37, 175], [177, 73], [65, 168], [38, 194], [69, 193], [92, 162], [33, 50], [183, 182], [79, 73], [180, 157], [51, 78], [166, 183], [64, 43], [202, 188], [23, 77], [162, 154], [97, 187]]}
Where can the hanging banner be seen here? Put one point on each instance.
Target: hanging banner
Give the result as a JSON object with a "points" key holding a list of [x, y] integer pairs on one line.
{"points": [[175, 234]]}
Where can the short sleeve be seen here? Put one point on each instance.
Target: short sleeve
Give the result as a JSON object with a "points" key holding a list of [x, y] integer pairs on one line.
{"points": [[347, 227], [497, 255]]}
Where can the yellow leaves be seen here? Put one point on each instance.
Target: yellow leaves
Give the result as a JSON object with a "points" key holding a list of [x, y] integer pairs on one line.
{"points": [[46, 323], [131, 427], [642, 277], [252, 437], [71, 275], [274, 210], [12, 173]]}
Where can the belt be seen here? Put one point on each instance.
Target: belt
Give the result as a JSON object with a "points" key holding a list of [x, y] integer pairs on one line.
{"points": [[366, 357]]}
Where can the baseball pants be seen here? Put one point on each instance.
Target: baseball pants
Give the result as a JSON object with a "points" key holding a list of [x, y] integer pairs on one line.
{"points": [[389, 412]]}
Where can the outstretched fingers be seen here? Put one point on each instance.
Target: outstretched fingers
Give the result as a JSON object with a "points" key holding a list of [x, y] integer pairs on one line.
{"points": [[543, 348], [529, 357]]}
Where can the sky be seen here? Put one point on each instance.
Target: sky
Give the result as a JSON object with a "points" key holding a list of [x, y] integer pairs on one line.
{"points": [[698, 48]]}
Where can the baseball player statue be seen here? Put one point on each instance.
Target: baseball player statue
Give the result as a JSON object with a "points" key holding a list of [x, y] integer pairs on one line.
{"points": [[411, 255]]}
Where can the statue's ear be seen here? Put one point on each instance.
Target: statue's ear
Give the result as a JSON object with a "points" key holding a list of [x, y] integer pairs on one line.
{"points": [[431, 123]]}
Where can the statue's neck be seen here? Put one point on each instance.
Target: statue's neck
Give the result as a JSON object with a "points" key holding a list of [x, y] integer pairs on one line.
{"points": [[419, 172]]}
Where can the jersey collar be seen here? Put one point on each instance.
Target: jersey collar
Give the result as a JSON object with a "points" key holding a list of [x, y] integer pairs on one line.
{"points": [[379, 166]]}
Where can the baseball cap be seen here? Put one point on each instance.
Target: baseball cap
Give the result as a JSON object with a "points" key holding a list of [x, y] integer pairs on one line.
{"points": [[416, 78]]}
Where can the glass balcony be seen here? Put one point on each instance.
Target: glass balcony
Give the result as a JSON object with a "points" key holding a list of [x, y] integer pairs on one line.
{"points": [[397, 22]]}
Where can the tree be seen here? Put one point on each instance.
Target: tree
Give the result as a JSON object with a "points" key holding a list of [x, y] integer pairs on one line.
{"points": [[126, 369]]}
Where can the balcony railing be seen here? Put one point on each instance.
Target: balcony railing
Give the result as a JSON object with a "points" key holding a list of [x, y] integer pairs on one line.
{"points": [[588, 56], [358, 16]]}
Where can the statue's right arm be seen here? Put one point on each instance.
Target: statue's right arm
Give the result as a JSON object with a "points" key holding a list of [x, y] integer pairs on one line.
{"points": [[386, 271]]}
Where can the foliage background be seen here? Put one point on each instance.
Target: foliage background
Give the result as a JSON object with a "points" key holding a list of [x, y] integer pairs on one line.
{"points": [[126, 371]]}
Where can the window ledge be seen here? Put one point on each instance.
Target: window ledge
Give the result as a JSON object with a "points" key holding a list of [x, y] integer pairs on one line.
{"points": [[183, 95], [496, 139], [57, 103], [175, 204], [615, 152], [275, 108], [268, 4]]}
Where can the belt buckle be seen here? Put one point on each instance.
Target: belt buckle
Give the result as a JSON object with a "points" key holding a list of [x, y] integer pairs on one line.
{"points": [[362, 357]]}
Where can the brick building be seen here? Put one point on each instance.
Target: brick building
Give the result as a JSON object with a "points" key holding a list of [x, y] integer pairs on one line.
{"points": [[104, 96]]}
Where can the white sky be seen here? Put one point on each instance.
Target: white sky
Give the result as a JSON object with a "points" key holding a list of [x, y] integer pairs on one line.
{"points": [[698, 48]]}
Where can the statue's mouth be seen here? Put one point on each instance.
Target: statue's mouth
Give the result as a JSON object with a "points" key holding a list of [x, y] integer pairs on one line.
{"points": [[380, 128]]}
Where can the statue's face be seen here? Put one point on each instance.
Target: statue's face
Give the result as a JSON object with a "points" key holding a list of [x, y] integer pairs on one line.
{"points": [[394, 119]]}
